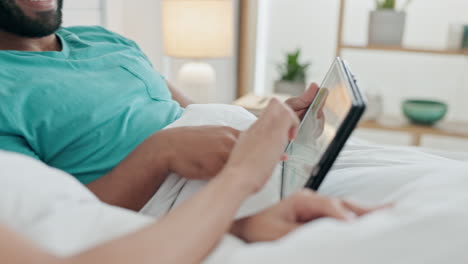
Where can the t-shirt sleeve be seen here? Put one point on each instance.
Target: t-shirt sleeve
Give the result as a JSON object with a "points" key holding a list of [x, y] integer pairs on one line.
{"points": [[16, 144]]}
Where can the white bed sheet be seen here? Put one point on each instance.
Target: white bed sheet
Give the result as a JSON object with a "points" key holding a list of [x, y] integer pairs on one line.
{"points": [[429, 223]]}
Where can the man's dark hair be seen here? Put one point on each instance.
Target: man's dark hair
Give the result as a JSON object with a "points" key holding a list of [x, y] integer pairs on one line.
{"points": [[13, 20]]}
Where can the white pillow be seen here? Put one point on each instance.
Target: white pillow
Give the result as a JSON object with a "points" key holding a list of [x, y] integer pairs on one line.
{"points": [[30, 190], [55, 210]]}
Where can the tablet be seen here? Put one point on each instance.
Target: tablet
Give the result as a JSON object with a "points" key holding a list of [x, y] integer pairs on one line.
{"points": [[325, 128]]}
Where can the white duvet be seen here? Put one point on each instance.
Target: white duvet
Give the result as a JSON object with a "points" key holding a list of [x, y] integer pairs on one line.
{"points": [[428, 224]]}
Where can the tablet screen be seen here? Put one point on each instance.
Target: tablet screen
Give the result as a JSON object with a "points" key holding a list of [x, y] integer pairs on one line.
{"points": [[318, 129]]}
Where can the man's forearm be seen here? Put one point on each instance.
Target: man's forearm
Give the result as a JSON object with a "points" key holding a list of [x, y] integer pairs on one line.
{"points": [[135, 180]]}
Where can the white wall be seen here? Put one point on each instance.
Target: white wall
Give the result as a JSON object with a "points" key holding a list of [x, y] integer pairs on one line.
{"points": [[114, 11], [84, 12], [141, 23], [108, 13], [312, 26]]}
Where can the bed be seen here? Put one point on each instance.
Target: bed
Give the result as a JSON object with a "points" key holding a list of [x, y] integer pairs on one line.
{"points": [[428, 224]]}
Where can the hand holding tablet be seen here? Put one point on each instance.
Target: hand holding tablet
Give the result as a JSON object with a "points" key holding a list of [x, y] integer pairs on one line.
{"points": [[325, 128]]}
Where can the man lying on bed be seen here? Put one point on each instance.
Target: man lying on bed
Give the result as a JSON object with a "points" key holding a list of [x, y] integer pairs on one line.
{"points": [[88, 101]]}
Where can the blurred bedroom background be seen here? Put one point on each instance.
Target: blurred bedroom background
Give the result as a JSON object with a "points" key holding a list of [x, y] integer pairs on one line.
{"points": [[415, 50]]}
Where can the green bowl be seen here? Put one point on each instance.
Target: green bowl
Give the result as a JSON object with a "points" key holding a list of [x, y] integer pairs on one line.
{"points": [[424, 112]]}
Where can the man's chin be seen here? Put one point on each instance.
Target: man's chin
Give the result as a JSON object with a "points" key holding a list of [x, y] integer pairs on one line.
{"points": [[35, 28], [28, 24]]}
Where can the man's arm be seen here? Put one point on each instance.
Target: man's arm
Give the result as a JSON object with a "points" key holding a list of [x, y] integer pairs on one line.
{"points": [[192, 152], [179, 96], [135, 180]]}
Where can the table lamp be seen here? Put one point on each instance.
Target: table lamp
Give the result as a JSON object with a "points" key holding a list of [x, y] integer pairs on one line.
{"points": [[197, 30]]}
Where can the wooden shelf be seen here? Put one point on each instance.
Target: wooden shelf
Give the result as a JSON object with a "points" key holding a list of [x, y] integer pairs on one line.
{"points": [[406, 49], [341, 45], [396, 124]]}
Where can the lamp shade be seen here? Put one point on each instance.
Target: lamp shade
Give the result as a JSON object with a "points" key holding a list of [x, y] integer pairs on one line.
{"points": [[198, 29]]}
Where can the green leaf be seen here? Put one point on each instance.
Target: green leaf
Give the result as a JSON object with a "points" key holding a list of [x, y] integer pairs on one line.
{"points": [[386, 4], [292, 69]]}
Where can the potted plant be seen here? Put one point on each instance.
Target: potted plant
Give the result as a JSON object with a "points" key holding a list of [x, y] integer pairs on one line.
{"points": [[387, 23], [293, 75]]}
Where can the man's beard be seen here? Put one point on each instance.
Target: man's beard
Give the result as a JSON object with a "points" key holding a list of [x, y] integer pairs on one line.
{"points": [[13, 20]]}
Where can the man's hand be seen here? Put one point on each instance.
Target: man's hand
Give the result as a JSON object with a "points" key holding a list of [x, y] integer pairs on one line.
{"points": [[302, 207], [300, 104], [197, 152]]}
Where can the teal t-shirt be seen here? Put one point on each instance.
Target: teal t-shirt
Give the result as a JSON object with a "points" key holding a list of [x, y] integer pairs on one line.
{"points": [[84, 109]]}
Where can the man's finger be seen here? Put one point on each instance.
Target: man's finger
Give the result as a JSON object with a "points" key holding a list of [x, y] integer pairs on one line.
{"points": [[310, 93], [292, 133], [360, 211], [301, 113], [303, 101], [310, 206], [334, 208]]}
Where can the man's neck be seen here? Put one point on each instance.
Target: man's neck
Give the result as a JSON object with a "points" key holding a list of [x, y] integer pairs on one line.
{"points": [[15, 42]]}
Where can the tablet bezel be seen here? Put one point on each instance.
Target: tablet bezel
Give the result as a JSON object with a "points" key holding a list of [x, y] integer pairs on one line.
{"points": [[355, 113]]}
